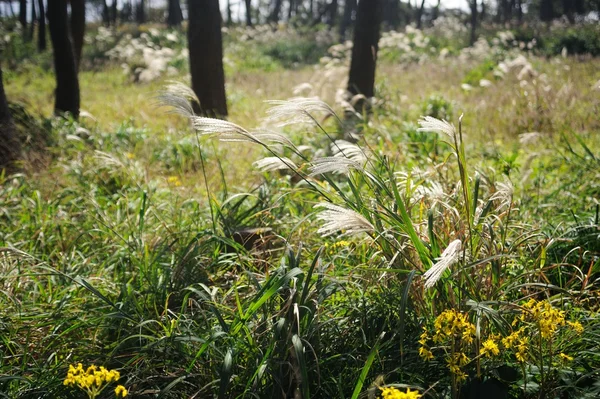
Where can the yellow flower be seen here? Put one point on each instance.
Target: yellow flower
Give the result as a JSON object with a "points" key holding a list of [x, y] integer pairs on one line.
{"points": [[425, 353], [490, 348], [121, 391], [575, 325], [565, 358], [394, 393], [174, 180]]}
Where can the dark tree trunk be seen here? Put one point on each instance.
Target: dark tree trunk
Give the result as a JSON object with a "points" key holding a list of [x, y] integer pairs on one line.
{"points": [[274, 16], [175, 16], [206, 57], [9, 143], [546, 10], [349, 8], [420, 15], [67, 85], [229, 16], [569, 10], [42, 27], [436, 11], [332, 13], [394, 16], [23, 15], [364, 51], [105, 14], [33, 19], [473, 5], [580, 8], [519, 11], [77, 27], [248, 12], [140, 11], [114, 13], [290, 9]]}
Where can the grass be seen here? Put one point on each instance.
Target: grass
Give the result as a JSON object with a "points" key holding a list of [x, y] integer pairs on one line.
{"points": [[117, 253]]}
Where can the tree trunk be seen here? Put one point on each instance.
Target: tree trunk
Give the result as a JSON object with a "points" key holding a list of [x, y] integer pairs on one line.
{"points": [[546, 10], [473, 5], [114, 13], [206, 57], [519, 11], [229, 16], [23, 15], [364, 51], [10, 147], [332, 13], [569, 10], [67, 85], [141, 12], [42, 27], [248, 12], [274, 17], [290, 9], [436, 11], [77, 27], [420, 15], [105, 13], [349, 8], [175, 16], [33, 19]]}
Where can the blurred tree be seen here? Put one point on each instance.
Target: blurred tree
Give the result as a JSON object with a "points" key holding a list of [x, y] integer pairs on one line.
{"points": [[349, 9], [364, 50], [9, 142], [546, 10], [77, 27], [33, 19], [41, 45], [65, 67], [420, 12], [473, 7], [248, 12], [23, 16], [105, 13], [276, 11], [113, 14], [140, 12], [206, 57], [174, 16]]}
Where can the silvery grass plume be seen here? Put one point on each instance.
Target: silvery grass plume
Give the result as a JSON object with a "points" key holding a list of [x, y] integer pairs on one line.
{"points": [[179, 97], [337, 218], [297, 110], [346, 156], [224, 130], [333, 164], [431, 124], [274, 163], [345, 149], [449, 257], [504, 194]]}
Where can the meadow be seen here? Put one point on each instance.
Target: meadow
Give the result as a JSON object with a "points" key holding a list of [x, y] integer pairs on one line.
{"points": [[447, 242]]}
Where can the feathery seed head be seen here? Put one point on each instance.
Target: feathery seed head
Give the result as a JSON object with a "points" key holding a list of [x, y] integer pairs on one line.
{"points": [[274, 163], [337, 218], [297, 110], [449, 257], [431, 124]]}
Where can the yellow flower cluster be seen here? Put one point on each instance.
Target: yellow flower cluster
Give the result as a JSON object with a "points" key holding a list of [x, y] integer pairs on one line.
{"points": [[453, 329], [452, 324], [93, 379], [548, 318], [490, 348], [393, 393], [517, 341]]}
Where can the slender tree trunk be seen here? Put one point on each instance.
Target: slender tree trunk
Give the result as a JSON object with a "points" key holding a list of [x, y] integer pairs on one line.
{"points": [[420, 15], [206, 57], [42, 27], [77, 27], [274, 17], [175, 16], [364, 51], [10, 147], [33, 19], [332, 13], [229, 16], [141, 12], [519, 12], [248, 12], [290, 9], [23, 15], [65, 67], [349, 8], [436, 11], [569, 10], [105, 14], [473, 5], [114, 13], [546, 10]]}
